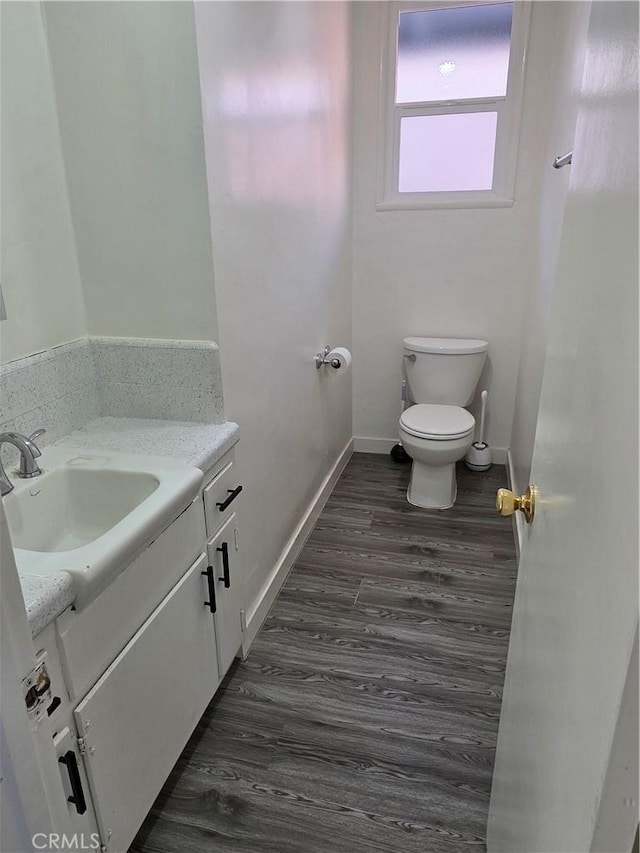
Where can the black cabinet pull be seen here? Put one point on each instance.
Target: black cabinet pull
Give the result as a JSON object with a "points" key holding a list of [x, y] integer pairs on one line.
{"points": [[70, 762], [55, 703], [233, 494], [224, 550], [211, 604]]}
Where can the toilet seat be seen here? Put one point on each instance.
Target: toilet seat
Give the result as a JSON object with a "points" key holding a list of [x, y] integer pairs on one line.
{"points": [[438, 423]]}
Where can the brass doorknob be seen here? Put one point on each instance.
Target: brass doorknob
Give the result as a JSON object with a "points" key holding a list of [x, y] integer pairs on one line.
{"points": [[507, 503]]}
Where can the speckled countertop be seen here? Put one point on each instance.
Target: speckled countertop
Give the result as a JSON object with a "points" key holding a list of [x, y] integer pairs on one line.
{"points": [[45, 598], [199, 444], [196, 443]]}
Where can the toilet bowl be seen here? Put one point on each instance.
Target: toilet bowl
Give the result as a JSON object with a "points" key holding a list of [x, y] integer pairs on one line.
{"points": [[435, 437], [436, 431]]}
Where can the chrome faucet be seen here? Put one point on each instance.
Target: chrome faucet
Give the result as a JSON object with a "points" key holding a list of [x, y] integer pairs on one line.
{"points": [[29, 452]]}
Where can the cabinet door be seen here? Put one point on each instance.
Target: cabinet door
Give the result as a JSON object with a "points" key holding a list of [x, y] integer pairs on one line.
{"points": [[138, 717], [224, 557]]}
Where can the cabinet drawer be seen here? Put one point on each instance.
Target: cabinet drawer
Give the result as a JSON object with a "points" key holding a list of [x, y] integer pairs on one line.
{"points": [[140, 714], [224, 557], [92, 637], [221, 498]]}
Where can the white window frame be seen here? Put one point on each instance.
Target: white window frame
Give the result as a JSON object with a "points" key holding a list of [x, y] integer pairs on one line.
{"points": [[508, 107]]}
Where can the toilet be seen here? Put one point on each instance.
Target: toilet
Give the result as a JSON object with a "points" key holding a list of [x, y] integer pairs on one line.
{"points": [[436, 430]]}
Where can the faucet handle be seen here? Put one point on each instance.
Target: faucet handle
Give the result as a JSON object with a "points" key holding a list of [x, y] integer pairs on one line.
{"points": [[33, 447]]}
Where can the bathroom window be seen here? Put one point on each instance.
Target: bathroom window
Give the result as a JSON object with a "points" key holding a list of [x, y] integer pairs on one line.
{"points": [[450, 103]]}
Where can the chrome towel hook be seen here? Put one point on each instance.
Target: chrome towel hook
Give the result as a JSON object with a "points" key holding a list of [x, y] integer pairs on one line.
{"points": [[565, 160]]}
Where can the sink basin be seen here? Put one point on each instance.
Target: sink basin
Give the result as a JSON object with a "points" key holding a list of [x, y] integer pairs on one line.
{"points": [[91, 514], [70, 507]]}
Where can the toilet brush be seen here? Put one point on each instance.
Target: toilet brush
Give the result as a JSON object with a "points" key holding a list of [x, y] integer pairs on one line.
{"points": [[479, 456]]}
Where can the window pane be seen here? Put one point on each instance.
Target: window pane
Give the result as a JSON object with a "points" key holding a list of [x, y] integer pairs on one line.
{"points": [[447, 153], [447, 54]]}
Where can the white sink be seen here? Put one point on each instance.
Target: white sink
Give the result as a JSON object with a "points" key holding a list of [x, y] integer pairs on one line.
{"points": [[70, 507], [90, 514]]}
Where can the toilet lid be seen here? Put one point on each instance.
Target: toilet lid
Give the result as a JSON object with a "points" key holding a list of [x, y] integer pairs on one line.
{"points": [[448, 346], [437, 422]]}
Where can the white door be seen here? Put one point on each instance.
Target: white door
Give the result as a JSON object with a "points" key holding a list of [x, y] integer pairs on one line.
{"points": [[563, 770]]}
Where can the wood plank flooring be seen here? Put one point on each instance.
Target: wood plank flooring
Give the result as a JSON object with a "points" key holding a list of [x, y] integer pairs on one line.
{"points": [[365, 717]]}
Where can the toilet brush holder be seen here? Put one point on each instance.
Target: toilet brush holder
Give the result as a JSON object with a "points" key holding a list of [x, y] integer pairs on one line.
{"points": [[479, 457]]}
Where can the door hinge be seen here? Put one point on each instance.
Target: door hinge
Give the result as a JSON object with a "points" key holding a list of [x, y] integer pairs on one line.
{"points": [[82, 745], [243, 621]]}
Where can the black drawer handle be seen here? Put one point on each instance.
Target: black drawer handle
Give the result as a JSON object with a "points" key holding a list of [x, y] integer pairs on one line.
{"points": [[55, 703], [211, 604], [224, 550], [78, 800], [233, 494]]}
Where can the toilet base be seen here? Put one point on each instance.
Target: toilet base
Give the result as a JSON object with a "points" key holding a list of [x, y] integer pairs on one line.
{"points": [[432, 487]]}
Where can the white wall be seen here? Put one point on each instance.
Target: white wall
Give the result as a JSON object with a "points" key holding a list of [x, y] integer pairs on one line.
{"points": [[128, 93], [571, 20], [40, 277], [459, 273], [276, 91]]}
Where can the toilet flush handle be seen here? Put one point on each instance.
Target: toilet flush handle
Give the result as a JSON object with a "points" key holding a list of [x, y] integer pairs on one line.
{"points": [[410, 356]]}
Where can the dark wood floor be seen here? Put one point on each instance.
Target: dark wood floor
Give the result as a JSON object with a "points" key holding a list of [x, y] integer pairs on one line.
{"points": [[365, 717]]}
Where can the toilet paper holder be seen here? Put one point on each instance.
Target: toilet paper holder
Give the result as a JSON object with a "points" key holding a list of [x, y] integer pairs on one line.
{"points": [[321, 358]]}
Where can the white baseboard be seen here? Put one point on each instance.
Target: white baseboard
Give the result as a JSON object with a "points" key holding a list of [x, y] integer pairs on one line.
{"points": [[517, 518], [259, 610], [499, 455], [365, 444]]}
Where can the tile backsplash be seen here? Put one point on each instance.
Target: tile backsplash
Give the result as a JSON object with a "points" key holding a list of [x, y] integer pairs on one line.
{"points": [[68, 386], [55, 389], [169, 380]]}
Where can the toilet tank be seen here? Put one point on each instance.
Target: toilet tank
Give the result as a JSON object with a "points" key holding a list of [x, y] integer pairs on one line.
{"points": [[444, 370]]}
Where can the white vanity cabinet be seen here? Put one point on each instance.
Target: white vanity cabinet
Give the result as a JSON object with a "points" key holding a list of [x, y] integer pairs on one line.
{"points": [[142, 661], [138, 717]]}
